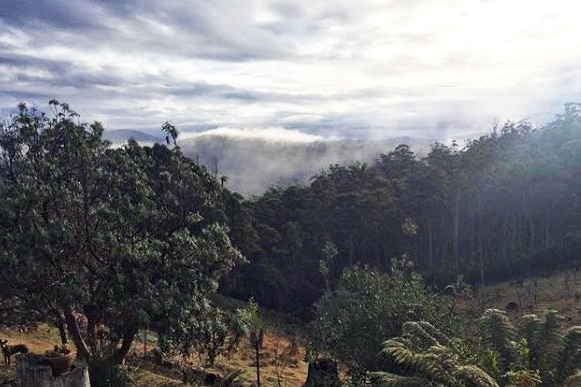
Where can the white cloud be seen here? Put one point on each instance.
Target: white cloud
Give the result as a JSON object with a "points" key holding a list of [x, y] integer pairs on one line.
{"points": [[275, 134], [369, 68]]}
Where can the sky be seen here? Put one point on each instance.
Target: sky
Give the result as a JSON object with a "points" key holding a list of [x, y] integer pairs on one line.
{"points": [[313, 69]]}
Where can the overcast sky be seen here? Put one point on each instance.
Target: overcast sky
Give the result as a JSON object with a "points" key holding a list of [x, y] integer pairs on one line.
{"points": [[331, 68]]}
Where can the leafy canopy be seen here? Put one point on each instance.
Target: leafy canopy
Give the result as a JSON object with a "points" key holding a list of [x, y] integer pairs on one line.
{"points": [[366, 308], [117, 238]]}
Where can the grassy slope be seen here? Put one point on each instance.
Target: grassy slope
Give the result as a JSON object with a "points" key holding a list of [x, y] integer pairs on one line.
{"points": [[561, 291], [288, 370]]}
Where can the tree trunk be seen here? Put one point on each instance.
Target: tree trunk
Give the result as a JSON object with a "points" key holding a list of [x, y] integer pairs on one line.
{"points": [[430, 246], [62, 327], [456, 232], [128, 338], [75, 331], [323, 373], [257, 353], [100, 367]]}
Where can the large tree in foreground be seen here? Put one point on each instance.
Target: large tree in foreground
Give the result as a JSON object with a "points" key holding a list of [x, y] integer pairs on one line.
{"points": [[112, 239]]}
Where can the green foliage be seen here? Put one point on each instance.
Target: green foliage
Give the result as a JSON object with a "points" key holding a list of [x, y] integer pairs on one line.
{"points": [[119, 375], [499, 337], [535, 350], [501, 357], [329, 252], [126, 237], [423, 355], [500, 207], [569, 358], [256, 330], [367, 307]]}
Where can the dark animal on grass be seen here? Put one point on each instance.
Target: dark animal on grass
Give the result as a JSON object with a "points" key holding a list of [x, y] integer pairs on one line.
{"points": [[9, 350]]}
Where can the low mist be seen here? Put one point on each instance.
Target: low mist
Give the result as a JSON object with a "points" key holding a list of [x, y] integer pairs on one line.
{"points": [[253, 164], [255, 159]]}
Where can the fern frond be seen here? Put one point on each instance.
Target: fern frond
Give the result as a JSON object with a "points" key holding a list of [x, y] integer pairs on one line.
{"points": [[434, 332], [529, 326], [550, 342], [550, 334], [499, 334], [474, 376], [433, 363], [524, 378], [573, 380], [569, 358], [419, 333], [384, 379], [398, 349]]}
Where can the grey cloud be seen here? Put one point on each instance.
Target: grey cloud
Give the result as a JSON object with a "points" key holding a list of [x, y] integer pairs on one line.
{"points": [[79, 23], [220, 29], [57, 73], [202, 89], [58, 13], [223, 29], [52, 45], [223, 91]]}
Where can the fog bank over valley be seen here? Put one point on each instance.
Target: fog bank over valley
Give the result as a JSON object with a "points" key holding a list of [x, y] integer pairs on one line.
{"points": [[255, 159]]}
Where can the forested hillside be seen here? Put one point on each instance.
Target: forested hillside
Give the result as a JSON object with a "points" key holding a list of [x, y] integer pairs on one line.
{"points": [[503, 206], [106, 242], [253, 164]]}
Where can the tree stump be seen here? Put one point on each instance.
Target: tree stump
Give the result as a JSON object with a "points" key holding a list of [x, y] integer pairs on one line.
{"points": [[29, 373], [323, 373]]}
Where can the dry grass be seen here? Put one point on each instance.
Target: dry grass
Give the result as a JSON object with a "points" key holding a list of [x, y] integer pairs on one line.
{"points": [[282, 363], [284, 370], [560, 291]]}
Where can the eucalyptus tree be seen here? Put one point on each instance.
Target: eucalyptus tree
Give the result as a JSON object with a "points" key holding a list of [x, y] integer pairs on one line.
{"points": [[113, 238]]}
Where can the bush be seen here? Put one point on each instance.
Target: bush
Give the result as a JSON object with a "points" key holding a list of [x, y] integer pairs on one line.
{"points": [[368, 307]]}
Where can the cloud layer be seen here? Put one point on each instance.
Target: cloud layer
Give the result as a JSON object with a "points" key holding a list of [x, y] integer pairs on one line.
{"points": [[368, 69]]}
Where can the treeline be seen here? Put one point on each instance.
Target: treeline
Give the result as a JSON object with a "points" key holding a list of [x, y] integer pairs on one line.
{"points": [[504, 206]]}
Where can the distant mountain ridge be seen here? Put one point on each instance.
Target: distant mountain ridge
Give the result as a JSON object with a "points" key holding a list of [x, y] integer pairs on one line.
{"points": [[252, 165], [123, 135]]}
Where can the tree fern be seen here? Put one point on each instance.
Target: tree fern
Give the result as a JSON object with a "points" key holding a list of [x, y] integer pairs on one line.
{"points": [[431, 364], [422, 333], [499, 335], [548, 343], [418, 353], [569, 359], [435, 333], [538, 356], [407, 356], [529, 326]]}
